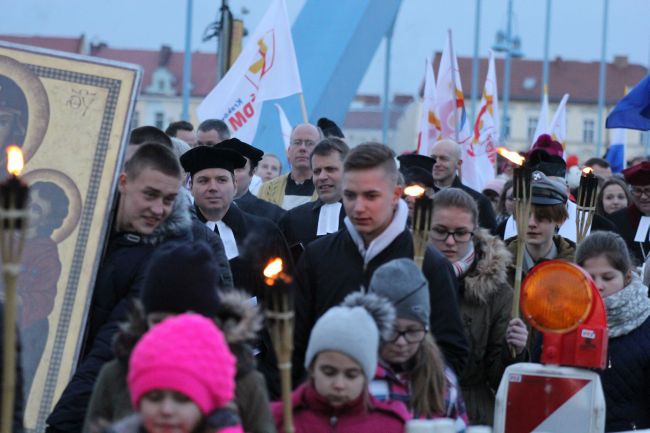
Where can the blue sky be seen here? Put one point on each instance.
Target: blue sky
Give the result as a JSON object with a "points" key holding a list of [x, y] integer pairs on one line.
{"points": [[576, 28]]}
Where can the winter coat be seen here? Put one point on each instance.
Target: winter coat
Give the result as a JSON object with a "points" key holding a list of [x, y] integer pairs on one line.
{"points": [[566, 250], [313, 414], [134, 424], [256, 206], [300, 224], [485, 307], [238, 319], [274, 189], [119, 281], [626, 222]]}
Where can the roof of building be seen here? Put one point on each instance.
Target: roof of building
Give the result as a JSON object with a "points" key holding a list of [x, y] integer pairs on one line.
{"points": [[68, 44], [579, 79]]}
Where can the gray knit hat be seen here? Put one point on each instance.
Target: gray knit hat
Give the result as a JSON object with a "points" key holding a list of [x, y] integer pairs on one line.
{"points": [[354, 328], [402, 283]]}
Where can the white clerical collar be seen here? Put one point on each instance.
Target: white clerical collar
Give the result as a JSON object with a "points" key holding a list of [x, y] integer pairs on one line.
{"points": [[328, 218], [227, 238]]}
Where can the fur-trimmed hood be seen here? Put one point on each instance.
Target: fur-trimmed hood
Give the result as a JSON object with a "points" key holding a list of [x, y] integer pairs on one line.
{"points": [[238, 319], [490, 271], [177, 224]]}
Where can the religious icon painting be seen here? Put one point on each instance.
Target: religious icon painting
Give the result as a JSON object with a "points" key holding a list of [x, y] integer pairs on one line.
{"points": [[71, 116]]}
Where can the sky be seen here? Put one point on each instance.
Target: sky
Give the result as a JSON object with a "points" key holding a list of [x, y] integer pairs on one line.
{"points": [[420, 28]]}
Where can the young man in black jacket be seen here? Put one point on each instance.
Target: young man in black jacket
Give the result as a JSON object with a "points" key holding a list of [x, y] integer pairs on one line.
{"points": [[374, 233]]}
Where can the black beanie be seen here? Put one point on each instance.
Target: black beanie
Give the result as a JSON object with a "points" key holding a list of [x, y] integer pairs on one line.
{"points": [[182, 277]]}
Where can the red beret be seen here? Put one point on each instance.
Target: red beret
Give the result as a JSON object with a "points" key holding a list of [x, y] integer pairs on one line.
{"points": [[638, 174], [551, 146]]}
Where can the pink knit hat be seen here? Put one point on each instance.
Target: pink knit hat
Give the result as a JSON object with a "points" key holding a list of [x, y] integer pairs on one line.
{"points": [[188, 354]]}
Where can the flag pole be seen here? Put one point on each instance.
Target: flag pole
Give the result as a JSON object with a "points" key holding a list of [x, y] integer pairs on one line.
{"points": [[303, 107]]}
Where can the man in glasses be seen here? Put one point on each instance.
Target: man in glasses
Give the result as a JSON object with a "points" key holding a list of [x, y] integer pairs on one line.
{"points": [[296, 187], [633, 222]]}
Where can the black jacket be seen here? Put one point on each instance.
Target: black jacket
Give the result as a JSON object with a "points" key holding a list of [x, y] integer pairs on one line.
{"points": [[262, 208], [486, 217], [300, 224], [331, 268], [119, 280], [626, 222]]}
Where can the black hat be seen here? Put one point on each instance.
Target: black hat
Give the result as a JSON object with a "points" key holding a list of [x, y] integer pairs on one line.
{"points": [[550, 165], [182, 277], [414, 160], [202, 157], [547, 191], [329, 128], [253, 154]]}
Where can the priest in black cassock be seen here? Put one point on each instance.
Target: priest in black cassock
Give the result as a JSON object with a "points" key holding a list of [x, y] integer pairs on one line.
{"points": [[249, 241], [311, 220]]}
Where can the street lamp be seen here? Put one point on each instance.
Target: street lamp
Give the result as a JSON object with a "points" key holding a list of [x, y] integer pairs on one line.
{"points": [[511, 45]]}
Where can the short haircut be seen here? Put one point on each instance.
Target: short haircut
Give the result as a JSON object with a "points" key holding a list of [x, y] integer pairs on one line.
{"points": [[555, 213], [59, 203], [367, 156], [155, 157], [457, 198], [181, 125], [149, 134], [273, 155], [329, 145], [597, 161], [608, 244], [216, 124]]}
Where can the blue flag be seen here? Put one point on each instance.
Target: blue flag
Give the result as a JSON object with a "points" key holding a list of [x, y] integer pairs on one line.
{"points": [[633, 111]]}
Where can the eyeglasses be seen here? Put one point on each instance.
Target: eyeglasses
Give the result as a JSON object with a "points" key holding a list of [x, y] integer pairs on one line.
{"points": [[638, 192], [442, 234], [410, 335]]}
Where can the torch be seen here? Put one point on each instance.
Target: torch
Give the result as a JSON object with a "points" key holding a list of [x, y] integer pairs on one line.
{"points": [[521, 192], [420, 220], [13, 226], [279, 317], [586, 205]]}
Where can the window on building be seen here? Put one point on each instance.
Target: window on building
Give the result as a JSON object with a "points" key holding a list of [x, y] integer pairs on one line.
{"points": [[159, 120], [588, 131], [532, 126]]}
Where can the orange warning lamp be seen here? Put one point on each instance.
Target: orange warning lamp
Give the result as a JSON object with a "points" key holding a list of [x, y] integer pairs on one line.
{"points": [[560, 300]]}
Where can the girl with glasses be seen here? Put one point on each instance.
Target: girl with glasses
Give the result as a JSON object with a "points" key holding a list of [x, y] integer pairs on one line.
{"points": [[480, 262], [411, 366]]}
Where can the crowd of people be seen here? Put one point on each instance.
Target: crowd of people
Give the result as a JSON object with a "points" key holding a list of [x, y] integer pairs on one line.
{"points": [[175, 337]]}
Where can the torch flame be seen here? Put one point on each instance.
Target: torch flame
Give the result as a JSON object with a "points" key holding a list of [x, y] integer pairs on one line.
{"points": [[15, 162], [414, 191], [274, 268], [587, 170], [511, 156]]}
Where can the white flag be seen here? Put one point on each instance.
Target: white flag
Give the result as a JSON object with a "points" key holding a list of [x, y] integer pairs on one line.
{"points": [[557, 128], [266, 69], [478, 168], [429, 130], [450, 102], [285, 126], [542, 120]]}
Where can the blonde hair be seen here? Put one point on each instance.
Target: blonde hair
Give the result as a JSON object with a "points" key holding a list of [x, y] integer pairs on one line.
{"points": [[428, 382]]}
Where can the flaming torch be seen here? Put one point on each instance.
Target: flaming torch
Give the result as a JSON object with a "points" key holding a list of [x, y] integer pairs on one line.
{"points": [[521, 192], [13, 226], [586, 205], [279, 317], [421, 219]]}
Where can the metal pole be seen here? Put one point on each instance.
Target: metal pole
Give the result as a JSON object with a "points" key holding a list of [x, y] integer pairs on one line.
{"points": [[475, 60], [601, 81], [546, 45], [187, 63], [386, 118], [506, 79]]}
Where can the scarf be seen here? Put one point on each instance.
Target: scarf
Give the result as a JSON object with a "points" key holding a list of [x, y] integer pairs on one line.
{"points": [[627, 309], [381, 242], [462, 265]]}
